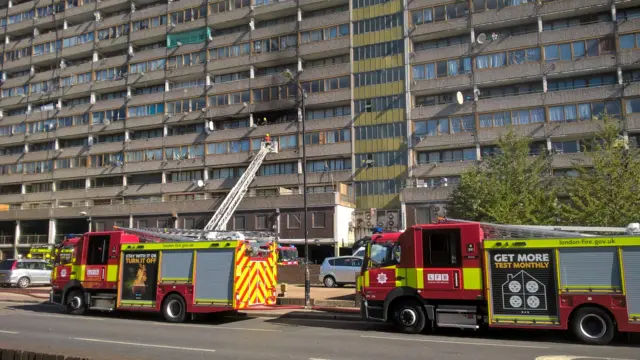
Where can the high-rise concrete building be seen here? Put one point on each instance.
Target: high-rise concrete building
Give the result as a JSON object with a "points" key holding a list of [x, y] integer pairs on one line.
{"points": [[112, 110]]}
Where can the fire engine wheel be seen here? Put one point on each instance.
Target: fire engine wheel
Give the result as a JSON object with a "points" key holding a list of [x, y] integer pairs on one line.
{"points": [[174, 309], [593, 326], [75, 303], [24, 282], [409, 317]]}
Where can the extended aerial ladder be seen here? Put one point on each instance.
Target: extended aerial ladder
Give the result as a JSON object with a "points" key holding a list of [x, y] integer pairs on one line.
{"points": [[216, 227]]}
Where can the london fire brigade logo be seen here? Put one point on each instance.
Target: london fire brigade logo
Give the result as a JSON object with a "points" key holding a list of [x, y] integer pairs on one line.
{"points": [[63, 273], [382, 278]]}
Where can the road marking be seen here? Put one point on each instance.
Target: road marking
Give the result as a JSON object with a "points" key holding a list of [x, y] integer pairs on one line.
{"points": [[457, 342], [570, 357], [8, 332], [216, 327], [61, 316], [144, 345], [317, 359]]}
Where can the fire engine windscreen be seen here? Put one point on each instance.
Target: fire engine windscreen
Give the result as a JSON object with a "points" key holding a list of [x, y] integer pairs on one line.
{"points": [[287, 255], [384, 255]]}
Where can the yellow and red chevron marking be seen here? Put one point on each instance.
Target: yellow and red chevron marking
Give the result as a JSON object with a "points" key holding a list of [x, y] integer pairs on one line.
{"points": [[255, 280]]}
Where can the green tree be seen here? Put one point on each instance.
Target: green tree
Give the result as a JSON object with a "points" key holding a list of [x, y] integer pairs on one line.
{"points": [[510, 187], [606, 189]]}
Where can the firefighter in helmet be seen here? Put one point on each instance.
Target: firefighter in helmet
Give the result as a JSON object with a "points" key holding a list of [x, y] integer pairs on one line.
{"points": [[267, 139]]}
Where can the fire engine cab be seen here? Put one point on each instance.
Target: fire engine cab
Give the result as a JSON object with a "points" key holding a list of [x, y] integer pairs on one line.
{"points": [[470, 275]]}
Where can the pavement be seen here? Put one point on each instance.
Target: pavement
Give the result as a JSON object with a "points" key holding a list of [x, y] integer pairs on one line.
{"points": [[102, 336]]}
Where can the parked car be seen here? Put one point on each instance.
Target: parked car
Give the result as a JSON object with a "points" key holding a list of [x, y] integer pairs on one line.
{"points": [[24, 272], [340, 270]]}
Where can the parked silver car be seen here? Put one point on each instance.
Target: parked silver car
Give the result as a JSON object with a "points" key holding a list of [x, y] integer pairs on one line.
{"points": [[340, 270], [24, 272]]}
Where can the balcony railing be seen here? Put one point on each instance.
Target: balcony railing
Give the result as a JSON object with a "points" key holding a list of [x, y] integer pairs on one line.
{"points": [[32, 239], [6, 240]]}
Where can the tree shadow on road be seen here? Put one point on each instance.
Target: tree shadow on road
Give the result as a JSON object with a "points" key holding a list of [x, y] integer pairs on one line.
{"points": [[445, 335]]}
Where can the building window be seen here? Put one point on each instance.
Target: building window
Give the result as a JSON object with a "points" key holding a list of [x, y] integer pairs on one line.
{"points": [[238, 222], [584, 112], [447, 156], [440, 13], [377, 24], [329, 33], [189, 223], [378, 77], [261, 222], [383, 131], [440, 69], [578, 49], [318, 220], [515, 117], [293, 221], [163, 224]]}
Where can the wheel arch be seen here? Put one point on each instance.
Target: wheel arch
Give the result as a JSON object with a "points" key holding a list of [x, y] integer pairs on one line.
{"points": [[592, 305], [71, 286], [404, 293], [173, 292]]}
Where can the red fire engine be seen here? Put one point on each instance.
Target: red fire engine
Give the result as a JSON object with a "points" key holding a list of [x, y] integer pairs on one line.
{"points": [[117, 270], [470, 275]]}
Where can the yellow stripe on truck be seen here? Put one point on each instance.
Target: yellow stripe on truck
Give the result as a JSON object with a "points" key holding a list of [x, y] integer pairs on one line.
{"points": [[472, 278]]}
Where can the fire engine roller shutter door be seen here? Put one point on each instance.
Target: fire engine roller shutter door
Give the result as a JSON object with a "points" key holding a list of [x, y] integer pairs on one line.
{"points": [[214, 276], [590, 269], [523, 285], [177, 265], [631, 263]]}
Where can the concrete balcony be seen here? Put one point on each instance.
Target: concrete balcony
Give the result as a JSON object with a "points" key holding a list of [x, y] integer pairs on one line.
{"points": [[231, 39], [532, 131], [230, 18], [78, 51], [444, 141], [329, 97], [308, 5], [284, 7], [230, 64], [629, 57], [563, 161], [273, 31], [324, 21], [339, 149], [559, 8], [441, 85], [274, 105], [424, 194], [442, 169], [582, 95], [633, 122], [236, 110], [509, 74], [504, 15], [596, 30], [449, 52], [145, 122], [523, 41], [440, 29], [581, 66], [436, 111], [335, 46], [319, 72], [560, 130], [511, 102], [149, 13], [148, 35]]}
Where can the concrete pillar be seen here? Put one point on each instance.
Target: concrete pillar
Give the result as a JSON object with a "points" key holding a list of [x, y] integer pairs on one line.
{"points": [[205, 174], [620, 77], [251, 122], [252, 24], [36, 32], [478, 152], [625, 138], [54, 186], [52, 231], [129, 92], [131, 221], [1, 114], [167, 86], [23, 189], [164, 177], [614, 16], [124, 180], [549, 146], [127, 136], [544, 83], [207, 80], [26, 148], [10, 3], [92, 98], [65, 25], [472, 35], [252, 72], [300, 168], [87, 183], [299, 14], [96, 57], [165, 131], [299, 65], [7, 40], [29, 108], [16, 240], [540, 27], [475, 92], [59, 104]]}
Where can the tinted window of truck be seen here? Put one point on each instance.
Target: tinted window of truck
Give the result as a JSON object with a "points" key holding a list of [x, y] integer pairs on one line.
{"points": [[441, 248]]}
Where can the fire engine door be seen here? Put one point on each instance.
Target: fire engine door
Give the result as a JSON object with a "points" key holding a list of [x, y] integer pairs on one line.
{"points": [[442, 259], [95, 271]]}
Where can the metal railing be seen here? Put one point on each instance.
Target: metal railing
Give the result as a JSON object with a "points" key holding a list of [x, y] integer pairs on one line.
{"points": [[33, 239], [6, 239]]}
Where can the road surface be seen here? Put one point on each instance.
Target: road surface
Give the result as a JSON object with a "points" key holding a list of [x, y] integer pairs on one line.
{"points": [[121, 336]]}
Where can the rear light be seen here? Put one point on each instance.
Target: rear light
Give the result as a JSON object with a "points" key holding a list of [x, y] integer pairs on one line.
{"points": [[14, 265]]}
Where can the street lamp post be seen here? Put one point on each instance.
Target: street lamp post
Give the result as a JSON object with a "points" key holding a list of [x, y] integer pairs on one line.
{"points": [[307, 280]]}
